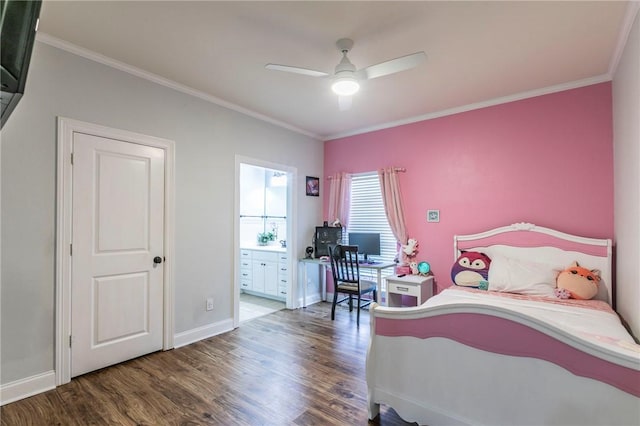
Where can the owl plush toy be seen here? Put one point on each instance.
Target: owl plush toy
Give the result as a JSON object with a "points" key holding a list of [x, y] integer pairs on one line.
{"points": [[470, 269]]}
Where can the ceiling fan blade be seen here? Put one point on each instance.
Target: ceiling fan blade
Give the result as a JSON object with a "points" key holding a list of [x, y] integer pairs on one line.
{"points": [[297, 70], [393, 66], [344, 102]]}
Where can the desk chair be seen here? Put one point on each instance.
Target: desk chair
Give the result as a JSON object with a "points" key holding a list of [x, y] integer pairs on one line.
{"points": [[346, 278]]}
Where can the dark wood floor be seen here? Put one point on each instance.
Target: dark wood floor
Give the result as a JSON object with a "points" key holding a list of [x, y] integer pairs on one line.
{"points": [[287, 368]]}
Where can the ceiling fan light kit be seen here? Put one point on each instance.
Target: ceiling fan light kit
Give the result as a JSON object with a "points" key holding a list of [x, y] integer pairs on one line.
{"points": [[345, 86], [345, 78]]}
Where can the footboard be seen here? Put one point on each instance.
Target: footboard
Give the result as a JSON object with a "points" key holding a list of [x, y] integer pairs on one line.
{"points": [[473, 364]]}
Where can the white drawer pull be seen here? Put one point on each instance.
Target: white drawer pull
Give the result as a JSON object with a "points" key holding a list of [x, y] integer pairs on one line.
{"points": [[402, 288]]}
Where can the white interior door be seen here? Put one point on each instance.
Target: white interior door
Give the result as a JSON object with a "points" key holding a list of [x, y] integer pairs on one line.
{"points": [[117, 231]]}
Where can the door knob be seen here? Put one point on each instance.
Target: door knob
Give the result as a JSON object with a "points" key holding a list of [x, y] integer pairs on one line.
{"points": [[157, 260]]}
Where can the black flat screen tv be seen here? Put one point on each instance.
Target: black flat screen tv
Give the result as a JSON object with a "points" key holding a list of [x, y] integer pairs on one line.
{"points": [[18, 23]]}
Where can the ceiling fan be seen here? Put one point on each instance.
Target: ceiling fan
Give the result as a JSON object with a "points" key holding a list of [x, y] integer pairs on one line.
{"points": [[345, 79]]}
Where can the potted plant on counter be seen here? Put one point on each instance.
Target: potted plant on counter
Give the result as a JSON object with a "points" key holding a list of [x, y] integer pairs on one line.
{"points": [[265, 237]]}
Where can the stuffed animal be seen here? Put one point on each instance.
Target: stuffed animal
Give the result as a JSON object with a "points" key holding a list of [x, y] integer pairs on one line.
{"points": [[414, 268], [407, 251], [470, 269], [411, 247], [577, 282]]}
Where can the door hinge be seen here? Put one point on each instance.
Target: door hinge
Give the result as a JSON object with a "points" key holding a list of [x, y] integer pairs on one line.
{"points": [[70, 249], [69, 340], [72, 158]]}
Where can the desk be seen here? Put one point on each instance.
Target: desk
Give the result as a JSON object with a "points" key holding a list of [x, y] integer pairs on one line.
{"points": [[410, 285], [326, 265]]}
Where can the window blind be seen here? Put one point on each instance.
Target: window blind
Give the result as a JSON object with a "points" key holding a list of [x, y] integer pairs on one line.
{"points": [[367, 213]]}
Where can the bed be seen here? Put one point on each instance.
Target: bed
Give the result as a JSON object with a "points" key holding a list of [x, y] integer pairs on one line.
{"points": [[468, 356]]}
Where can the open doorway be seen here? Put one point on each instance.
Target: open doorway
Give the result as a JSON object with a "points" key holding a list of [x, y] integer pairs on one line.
{"points": [[264, 225]]}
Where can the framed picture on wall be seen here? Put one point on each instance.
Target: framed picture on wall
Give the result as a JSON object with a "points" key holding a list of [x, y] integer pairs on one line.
{"points": [[433, 215], [313, 186]]}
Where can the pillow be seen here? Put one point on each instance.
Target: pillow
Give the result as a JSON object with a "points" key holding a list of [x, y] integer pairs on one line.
{"points": [[577, 282], [471, 269], [523, 277]]}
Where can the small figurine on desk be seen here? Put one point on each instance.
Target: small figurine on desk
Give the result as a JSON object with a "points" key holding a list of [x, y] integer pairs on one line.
{"points": [[308, 252]]}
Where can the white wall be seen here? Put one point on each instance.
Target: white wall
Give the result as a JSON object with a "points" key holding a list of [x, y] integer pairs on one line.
{"points": [[626, 165], [207, 139]]}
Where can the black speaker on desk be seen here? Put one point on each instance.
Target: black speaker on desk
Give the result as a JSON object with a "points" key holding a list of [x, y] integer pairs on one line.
{"points": [[324, 236]]}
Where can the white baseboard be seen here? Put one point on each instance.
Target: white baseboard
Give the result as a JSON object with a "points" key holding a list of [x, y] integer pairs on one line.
{"points": [[27, 387], [204, 332], [43, 382], [311, 299]]}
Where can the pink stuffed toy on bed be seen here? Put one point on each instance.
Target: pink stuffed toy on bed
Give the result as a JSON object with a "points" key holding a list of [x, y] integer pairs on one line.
{"points": [[577, 282]]}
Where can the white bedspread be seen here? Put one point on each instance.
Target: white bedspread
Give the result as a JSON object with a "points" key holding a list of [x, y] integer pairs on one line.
{"points": [[593, 320]]}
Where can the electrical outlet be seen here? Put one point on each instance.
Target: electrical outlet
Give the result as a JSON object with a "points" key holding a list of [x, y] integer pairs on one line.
{"points": [[209, 303]]}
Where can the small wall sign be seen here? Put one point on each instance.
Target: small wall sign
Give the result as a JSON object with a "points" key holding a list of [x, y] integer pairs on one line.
{"points": [[433, 215]]}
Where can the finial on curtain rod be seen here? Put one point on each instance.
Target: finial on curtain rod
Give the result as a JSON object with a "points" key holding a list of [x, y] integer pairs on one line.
{"points": [[397, 169], [331, 176]]}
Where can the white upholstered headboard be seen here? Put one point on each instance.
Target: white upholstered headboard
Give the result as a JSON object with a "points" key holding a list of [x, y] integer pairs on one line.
{"points": [[527, 241]]}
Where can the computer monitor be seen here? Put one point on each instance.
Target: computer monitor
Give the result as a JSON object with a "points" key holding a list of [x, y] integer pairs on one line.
{"points": [[368, 243]]}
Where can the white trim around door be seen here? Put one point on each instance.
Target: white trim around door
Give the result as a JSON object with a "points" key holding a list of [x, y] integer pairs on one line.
{"points": [[292, 202], [66, 128]]}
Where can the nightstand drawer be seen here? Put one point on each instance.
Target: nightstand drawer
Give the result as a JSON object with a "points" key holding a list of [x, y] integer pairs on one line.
{"points": [[418, 286], [405, 289]]}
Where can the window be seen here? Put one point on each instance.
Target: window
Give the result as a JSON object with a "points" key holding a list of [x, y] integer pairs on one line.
{"points": [[367, 214], [263, 205]]}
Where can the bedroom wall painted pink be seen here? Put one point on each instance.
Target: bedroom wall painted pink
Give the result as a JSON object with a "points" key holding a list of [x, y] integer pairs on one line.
{"points": [[547, 160]]}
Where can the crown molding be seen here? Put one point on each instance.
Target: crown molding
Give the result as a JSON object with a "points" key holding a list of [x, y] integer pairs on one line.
{"points": [[632, 10], [478, 105], [105, 60], [623, 35]]}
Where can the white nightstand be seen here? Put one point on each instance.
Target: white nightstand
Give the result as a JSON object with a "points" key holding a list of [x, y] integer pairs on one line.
{"points": [[419, 286]]}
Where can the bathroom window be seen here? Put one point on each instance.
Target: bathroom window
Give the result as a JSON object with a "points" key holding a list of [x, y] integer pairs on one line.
{"points": [[263, 206]]}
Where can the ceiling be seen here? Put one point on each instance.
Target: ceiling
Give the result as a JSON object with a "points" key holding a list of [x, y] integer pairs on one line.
{"points": [[477, 52]]}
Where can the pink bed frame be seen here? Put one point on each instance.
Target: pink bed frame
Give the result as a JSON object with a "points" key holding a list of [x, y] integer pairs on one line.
{"points": [[478, 364]]}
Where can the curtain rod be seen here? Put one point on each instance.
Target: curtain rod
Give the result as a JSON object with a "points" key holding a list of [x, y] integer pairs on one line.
{"points": [[397, 169]]}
